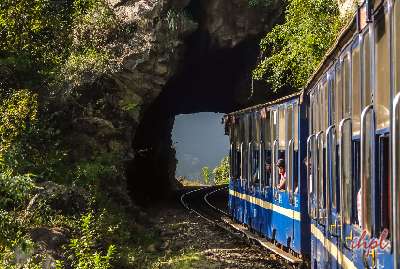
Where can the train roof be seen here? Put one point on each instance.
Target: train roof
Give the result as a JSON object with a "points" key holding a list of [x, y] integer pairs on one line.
{"points": [[274, 102], [331, 55]]}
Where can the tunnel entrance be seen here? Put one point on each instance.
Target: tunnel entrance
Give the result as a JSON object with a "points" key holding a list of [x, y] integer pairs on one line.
{"points": [[210, 79], [200, 143]]}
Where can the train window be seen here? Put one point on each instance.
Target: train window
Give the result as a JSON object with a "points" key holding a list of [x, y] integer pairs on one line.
{"points": [[366, 51], [326, 103], [267, 147], [382, 70], [282, 129], [321, 177], [257, 127], [356, 90], [237, 147], [346, 174], [289, 155], [338, 94], [396, 50], [296, 126], [346, 87], [367, 186], [289, 123], [245, 146], [313, 113], [322, 107], [332, 114], [384, 181]]}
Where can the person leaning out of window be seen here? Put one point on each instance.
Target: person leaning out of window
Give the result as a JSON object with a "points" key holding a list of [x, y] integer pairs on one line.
{"points": [[282, 174]]}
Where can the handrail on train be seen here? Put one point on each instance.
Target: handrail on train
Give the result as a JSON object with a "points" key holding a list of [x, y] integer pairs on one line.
{"points": [[366, 182], [309, 184], [315, 170], [396, 178], [290, 166], [328, 133], [274, 156], [250, 165], [341, 176]]}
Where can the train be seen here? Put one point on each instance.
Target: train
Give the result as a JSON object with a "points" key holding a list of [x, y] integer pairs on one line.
{"points": [[317, 172]]}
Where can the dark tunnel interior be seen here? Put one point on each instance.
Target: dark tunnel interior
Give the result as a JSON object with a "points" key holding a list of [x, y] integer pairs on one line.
{"points": [[209, 80]]}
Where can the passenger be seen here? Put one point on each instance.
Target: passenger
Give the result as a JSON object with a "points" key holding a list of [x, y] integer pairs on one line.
{"points": [[282, 174]]}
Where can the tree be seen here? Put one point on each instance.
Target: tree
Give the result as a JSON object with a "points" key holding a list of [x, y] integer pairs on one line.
{"points": [[206, 174], [221, 172], [294, 49]]}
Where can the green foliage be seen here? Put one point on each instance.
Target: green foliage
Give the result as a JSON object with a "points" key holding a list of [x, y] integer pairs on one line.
{"points": [[34, 33], [85, 253], [85, 66], [17, 113], [221, 172], [295, 48], [206, 173], [15, 190]]}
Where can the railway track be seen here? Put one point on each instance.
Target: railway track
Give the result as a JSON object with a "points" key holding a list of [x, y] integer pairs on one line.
{"points": [[210, 203]]}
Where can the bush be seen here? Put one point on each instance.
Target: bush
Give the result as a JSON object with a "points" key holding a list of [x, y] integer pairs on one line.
{"points": [[18, 112], [84, 249], [15, 190]]}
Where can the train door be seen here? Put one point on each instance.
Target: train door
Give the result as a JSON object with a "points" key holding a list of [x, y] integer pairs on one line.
{"points": [[331, 169], [322, 220], [266, 173], [396, 138], [291, 174], [272, 193], [315, 146], [256, 172], [281, 205], [294, 176], [396, 179], [381, 195]]}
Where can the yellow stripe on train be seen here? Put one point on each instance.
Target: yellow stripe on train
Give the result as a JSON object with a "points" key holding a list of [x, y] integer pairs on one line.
{"points": [[267, 205], [343, 261]]}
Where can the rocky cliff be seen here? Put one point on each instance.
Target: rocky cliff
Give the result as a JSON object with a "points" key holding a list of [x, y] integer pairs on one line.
{"points": [[153, 72]]}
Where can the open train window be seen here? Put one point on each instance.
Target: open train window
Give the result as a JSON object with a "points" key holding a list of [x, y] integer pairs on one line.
{"points": [[332, 103], [396, 46], [366, 70], [325, 105], [274, 145], [346, 86], [338, 93], [346, 174], [255, 147], [268, 148], [282, 130], [289, 153], [296, 146], [356, 89], [384, 182], [382, 70], [244, 146]]}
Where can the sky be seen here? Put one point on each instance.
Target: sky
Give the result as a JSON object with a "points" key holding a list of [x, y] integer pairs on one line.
{"points": [[199, 141]]}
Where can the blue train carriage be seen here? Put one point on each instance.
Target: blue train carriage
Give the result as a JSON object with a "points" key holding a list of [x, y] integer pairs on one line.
{"points": [[260, 136], [353, 146]]}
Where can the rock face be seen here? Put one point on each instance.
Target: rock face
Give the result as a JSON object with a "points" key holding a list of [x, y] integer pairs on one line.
{"points": [[147, 62], [231, 22]]}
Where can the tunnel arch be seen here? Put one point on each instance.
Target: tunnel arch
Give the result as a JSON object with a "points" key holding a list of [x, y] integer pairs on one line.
{"points": [[210, 78]]}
